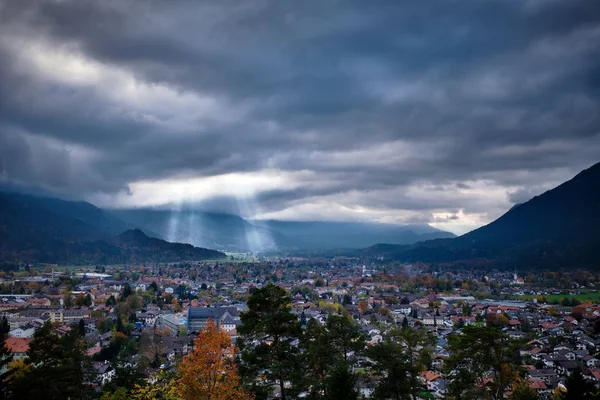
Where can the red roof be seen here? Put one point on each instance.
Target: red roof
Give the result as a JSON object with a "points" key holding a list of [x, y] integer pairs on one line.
{"points": [[18, 345], [430, 376], [538, 384]]}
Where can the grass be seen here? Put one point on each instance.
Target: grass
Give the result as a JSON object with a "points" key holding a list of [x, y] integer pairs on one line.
{"points": [[555, 298]]}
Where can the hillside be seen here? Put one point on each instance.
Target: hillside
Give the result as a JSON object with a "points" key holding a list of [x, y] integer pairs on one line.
{"points": [[206, 229], [334, 235], [37, 229], [560, 228], [231, 232]]}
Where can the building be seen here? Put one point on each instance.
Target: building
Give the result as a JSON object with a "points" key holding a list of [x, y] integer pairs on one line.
{"points": [[18, 347], [224, 317], [169, 321]]}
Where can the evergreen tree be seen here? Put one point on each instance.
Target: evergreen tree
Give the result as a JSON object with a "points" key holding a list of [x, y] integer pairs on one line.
{"points": [[5, 358], [267, 337], [317, 357], [578, 388], [4, 326], [58, 367], [398, 361], [340, 384], [111, 301], [477, 354], [405, 323], [81, 328], [126, 292], [345, 336]]}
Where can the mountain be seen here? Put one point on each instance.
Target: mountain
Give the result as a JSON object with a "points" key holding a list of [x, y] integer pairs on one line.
{"points": [[231, 232], [206, 229], [36, 224], [560, 228], [335, 235], [39, 229]]}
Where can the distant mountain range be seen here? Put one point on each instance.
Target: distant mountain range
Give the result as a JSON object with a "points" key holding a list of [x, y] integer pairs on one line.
{"points": [[560, 228], [40, 229], [45, 229], [231, 232]]}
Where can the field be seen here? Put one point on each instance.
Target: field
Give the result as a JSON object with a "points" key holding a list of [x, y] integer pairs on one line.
{"points": [[584, 296]]}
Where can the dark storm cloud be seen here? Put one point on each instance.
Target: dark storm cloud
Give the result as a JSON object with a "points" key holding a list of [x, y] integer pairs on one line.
{"points": [[408, 107]]}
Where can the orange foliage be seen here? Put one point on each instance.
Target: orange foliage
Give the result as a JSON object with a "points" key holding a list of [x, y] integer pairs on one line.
{"points": [[209, 372], [363, 306]]}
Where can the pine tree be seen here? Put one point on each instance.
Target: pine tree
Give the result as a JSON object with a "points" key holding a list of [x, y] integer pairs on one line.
{"points": [[58, 367], [267, 337], [5, 358], [4, 326], [81, 328], [340, 384]]}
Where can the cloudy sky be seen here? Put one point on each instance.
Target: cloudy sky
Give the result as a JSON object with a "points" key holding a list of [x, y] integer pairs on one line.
{"points": [[442, 112]]}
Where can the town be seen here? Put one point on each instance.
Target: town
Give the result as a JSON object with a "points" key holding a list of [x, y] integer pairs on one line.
{"points": [[146, 318]]}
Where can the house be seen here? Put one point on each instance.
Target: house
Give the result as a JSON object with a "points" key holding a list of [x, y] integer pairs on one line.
{"points": [[148, 318], [25, 331], [402, 309], [102, 372], [18, 347]]}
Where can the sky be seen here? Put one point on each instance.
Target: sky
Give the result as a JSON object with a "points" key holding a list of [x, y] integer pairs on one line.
{"points": [[442, 112]]}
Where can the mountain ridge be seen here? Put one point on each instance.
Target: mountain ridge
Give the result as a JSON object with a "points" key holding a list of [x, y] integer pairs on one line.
{"points": [[35, 229], [558, 228]]}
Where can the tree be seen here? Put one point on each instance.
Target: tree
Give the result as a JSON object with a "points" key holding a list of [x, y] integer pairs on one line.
{"points": [[164, 387], [81, 328], [68, 300], [317, 357], [363, 306], [579, 388], [481, 363], [209, 372], [127, 375], [399, 360], [4, 326], [57, 367], [405, 323], [5, 360], [522, 391], [340, 384], [345, 336], [267, 334], [111, 301], [125, 292]]}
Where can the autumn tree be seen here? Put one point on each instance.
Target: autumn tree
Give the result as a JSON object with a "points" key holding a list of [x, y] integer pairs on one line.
{"points": [[363, 306], [522, 391], [163, 387], [209, 371]]}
